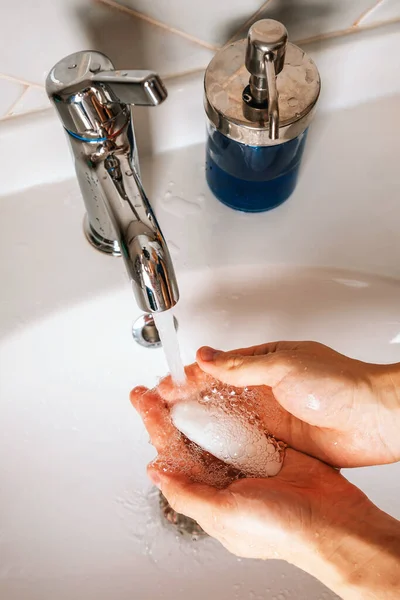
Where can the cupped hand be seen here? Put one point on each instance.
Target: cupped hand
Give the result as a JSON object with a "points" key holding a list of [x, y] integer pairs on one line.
{"points": [[176, 454], [335, 408], [287, 516]]}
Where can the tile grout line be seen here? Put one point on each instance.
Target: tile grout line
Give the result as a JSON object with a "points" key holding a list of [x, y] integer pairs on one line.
{"points": [[21, 81], [9, 112], [346, 32], [187, 73], [31, 111], [247, 22], [366, 12], [134, 13]]}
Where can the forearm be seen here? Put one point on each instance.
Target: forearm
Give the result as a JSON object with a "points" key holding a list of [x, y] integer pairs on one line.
{"points": [[360, 560]]}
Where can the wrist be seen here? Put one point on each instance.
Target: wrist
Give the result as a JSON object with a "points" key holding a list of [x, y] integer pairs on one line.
{"points": [[385, 383], [358, 555]]}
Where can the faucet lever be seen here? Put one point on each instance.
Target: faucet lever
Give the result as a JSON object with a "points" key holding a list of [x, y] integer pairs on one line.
{"points": [[142, 88]]}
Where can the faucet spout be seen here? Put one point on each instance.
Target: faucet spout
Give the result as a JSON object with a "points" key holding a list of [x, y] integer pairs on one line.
{"points": [[141, 241], [93, 101]]}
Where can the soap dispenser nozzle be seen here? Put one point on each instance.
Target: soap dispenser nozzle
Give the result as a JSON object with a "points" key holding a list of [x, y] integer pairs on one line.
{"points": [[265, 58]]}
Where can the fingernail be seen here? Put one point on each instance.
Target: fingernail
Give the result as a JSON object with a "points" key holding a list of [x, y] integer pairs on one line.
{"points": [[155, 478], [208, 354]]}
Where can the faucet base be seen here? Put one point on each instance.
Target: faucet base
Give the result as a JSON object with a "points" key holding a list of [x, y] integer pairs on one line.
{"points": [[145, 333], [98, 242]]}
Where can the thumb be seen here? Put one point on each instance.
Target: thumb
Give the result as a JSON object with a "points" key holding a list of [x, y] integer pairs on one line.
{"points": [[243, 370]]}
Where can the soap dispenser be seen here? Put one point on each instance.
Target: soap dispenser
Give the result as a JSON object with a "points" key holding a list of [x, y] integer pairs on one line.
{"points": [[260, 97]]}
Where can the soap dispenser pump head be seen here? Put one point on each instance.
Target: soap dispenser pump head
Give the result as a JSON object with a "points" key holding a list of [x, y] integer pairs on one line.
{"points": [[265, 59]]}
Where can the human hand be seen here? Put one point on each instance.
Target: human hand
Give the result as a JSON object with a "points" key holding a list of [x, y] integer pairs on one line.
{"points": [[175, 453], [338, 409], [275, 517], [308, 514]]}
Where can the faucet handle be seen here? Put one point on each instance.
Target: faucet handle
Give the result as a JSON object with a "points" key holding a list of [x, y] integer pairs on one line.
{"points": [[89, 93], [143, 88]]}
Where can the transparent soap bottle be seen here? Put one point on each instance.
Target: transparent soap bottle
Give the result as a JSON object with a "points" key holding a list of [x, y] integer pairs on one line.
{"points": [[260, 97]]}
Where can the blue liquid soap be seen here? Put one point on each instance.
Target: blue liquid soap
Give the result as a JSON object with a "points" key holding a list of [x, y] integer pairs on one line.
{"points": [[252, 178]]}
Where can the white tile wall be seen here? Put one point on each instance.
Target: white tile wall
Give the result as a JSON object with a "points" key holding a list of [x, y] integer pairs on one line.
{"points": [[10, 92], [34, 98], [214, 22], [171, 36], [310, 18], [383, 11]]}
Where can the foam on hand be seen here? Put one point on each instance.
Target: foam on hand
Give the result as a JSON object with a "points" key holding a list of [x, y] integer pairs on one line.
{"points": [[229, 436]]}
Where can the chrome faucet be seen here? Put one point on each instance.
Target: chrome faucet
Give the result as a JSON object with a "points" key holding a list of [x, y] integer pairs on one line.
{"points": [[94, 104]]}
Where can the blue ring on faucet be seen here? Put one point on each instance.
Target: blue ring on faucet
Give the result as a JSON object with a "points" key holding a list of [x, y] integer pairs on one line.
{"points": [[81, 138]]}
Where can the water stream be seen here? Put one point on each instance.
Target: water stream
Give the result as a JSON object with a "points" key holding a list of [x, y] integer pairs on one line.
{"points": [[166, 328]]}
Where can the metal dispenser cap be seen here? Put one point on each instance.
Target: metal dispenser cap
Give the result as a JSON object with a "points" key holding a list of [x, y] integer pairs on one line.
{"points": [[261, 91]]}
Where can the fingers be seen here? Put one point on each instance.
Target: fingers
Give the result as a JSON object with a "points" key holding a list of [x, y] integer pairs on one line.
{"points": [[196, 380], [260, 365], [137, 393], [269, 348], [155, 416], [195, 500]]}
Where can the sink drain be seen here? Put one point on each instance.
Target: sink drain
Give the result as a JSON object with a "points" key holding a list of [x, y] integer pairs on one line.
{"points": [[145, 332], [184, 525]]}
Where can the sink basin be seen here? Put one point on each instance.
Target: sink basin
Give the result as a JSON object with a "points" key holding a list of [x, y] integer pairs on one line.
{"points": [[79, 518]]}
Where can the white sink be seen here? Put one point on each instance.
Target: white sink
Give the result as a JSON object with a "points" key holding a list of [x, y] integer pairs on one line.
{"points": [[78, 517]]}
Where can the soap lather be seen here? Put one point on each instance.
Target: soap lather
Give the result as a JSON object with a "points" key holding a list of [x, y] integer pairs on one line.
{"points": [[260, 96]]}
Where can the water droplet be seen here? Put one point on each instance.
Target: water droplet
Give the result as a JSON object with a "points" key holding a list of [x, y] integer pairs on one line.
{"points": [[293, 102]]}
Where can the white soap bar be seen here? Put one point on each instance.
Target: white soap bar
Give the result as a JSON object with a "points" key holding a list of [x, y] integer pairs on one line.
{"points": [[229, 438]]}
